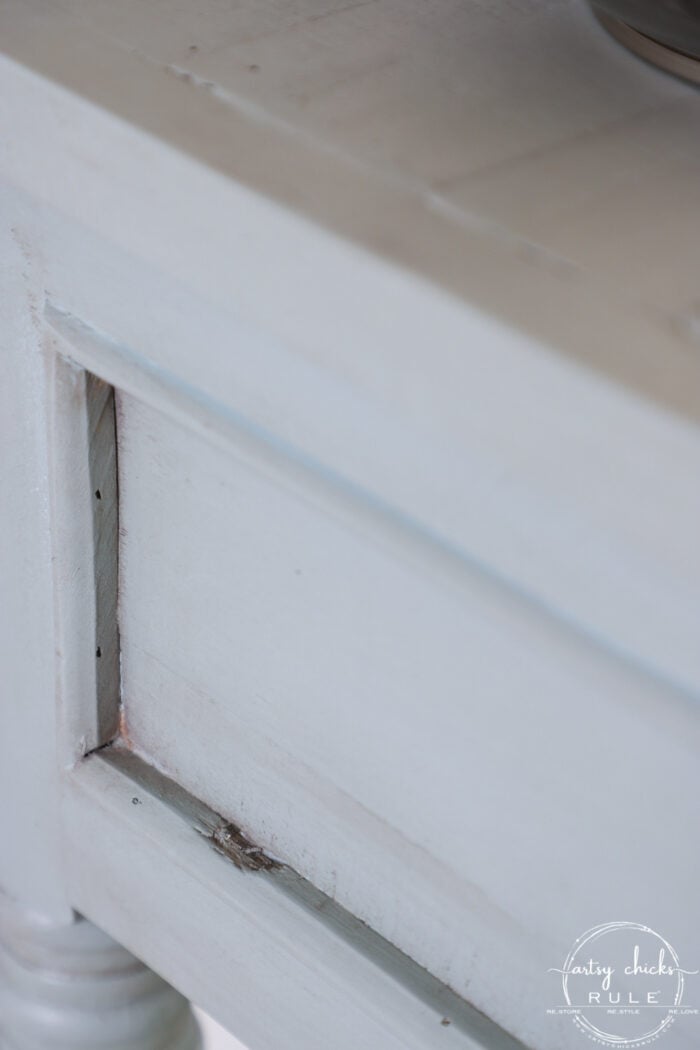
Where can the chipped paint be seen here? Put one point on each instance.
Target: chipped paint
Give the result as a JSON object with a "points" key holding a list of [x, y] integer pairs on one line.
{"points": [[230, 841]]}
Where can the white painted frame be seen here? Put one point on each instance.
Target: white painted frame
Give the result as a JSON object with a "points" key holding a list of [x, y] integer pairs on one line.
{"points": [[268, 956], [661, 705], [147, 166]]}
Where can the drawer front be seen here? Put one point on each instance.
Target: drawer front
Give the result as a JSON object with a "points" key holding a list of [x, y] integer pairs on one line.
{"points": [[410, 734]]}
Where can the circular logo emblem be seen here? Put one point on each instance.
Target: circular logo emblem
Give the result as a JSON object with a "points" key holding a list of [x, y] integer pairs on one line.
{"points": [[623, 984]]}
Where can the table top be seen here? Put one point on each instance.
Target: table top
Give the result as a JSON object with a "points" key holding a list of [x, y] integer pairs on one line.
{"points": [[508, 151]]}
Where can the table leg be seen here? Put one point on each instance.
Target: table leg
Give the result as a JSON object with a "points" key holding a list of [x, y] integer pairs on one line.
{"points": [[72, 986]]}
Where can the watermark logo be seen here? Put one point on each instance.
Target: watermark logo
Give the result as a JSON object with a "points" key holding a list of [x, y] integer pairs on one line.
{"points": [[623, 984]]}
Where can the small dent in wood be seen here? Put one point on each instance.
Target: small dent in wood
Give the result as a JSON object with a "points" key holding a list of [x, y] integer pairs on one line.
{"points": [[98, 494], [98, 652], [230, 841]]}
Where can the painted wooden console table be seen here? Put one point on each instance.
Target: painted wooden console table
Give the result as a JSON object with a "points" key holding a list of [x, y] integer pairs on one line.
{"points": [[349, 396]]}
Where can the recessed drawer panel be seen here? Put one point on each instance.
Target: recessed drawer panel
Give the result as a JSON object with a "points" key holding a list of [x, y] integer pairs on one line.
{"points": [[407, 732]]}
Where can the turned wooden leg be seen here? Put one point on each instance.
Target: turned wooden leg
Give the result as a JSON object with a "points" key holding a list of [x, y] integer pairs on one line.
{"points": [[71, 987]]}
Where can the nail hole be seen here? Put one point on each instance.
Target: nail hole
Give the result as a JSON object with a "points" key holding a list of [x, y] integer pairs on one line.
{"points": [[99, 652], [98, 494]]}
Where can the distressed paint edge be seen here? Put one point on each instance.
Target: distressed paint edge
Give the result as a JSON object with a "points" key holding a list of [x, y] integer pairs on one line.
{"points": [[321, 952]]}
